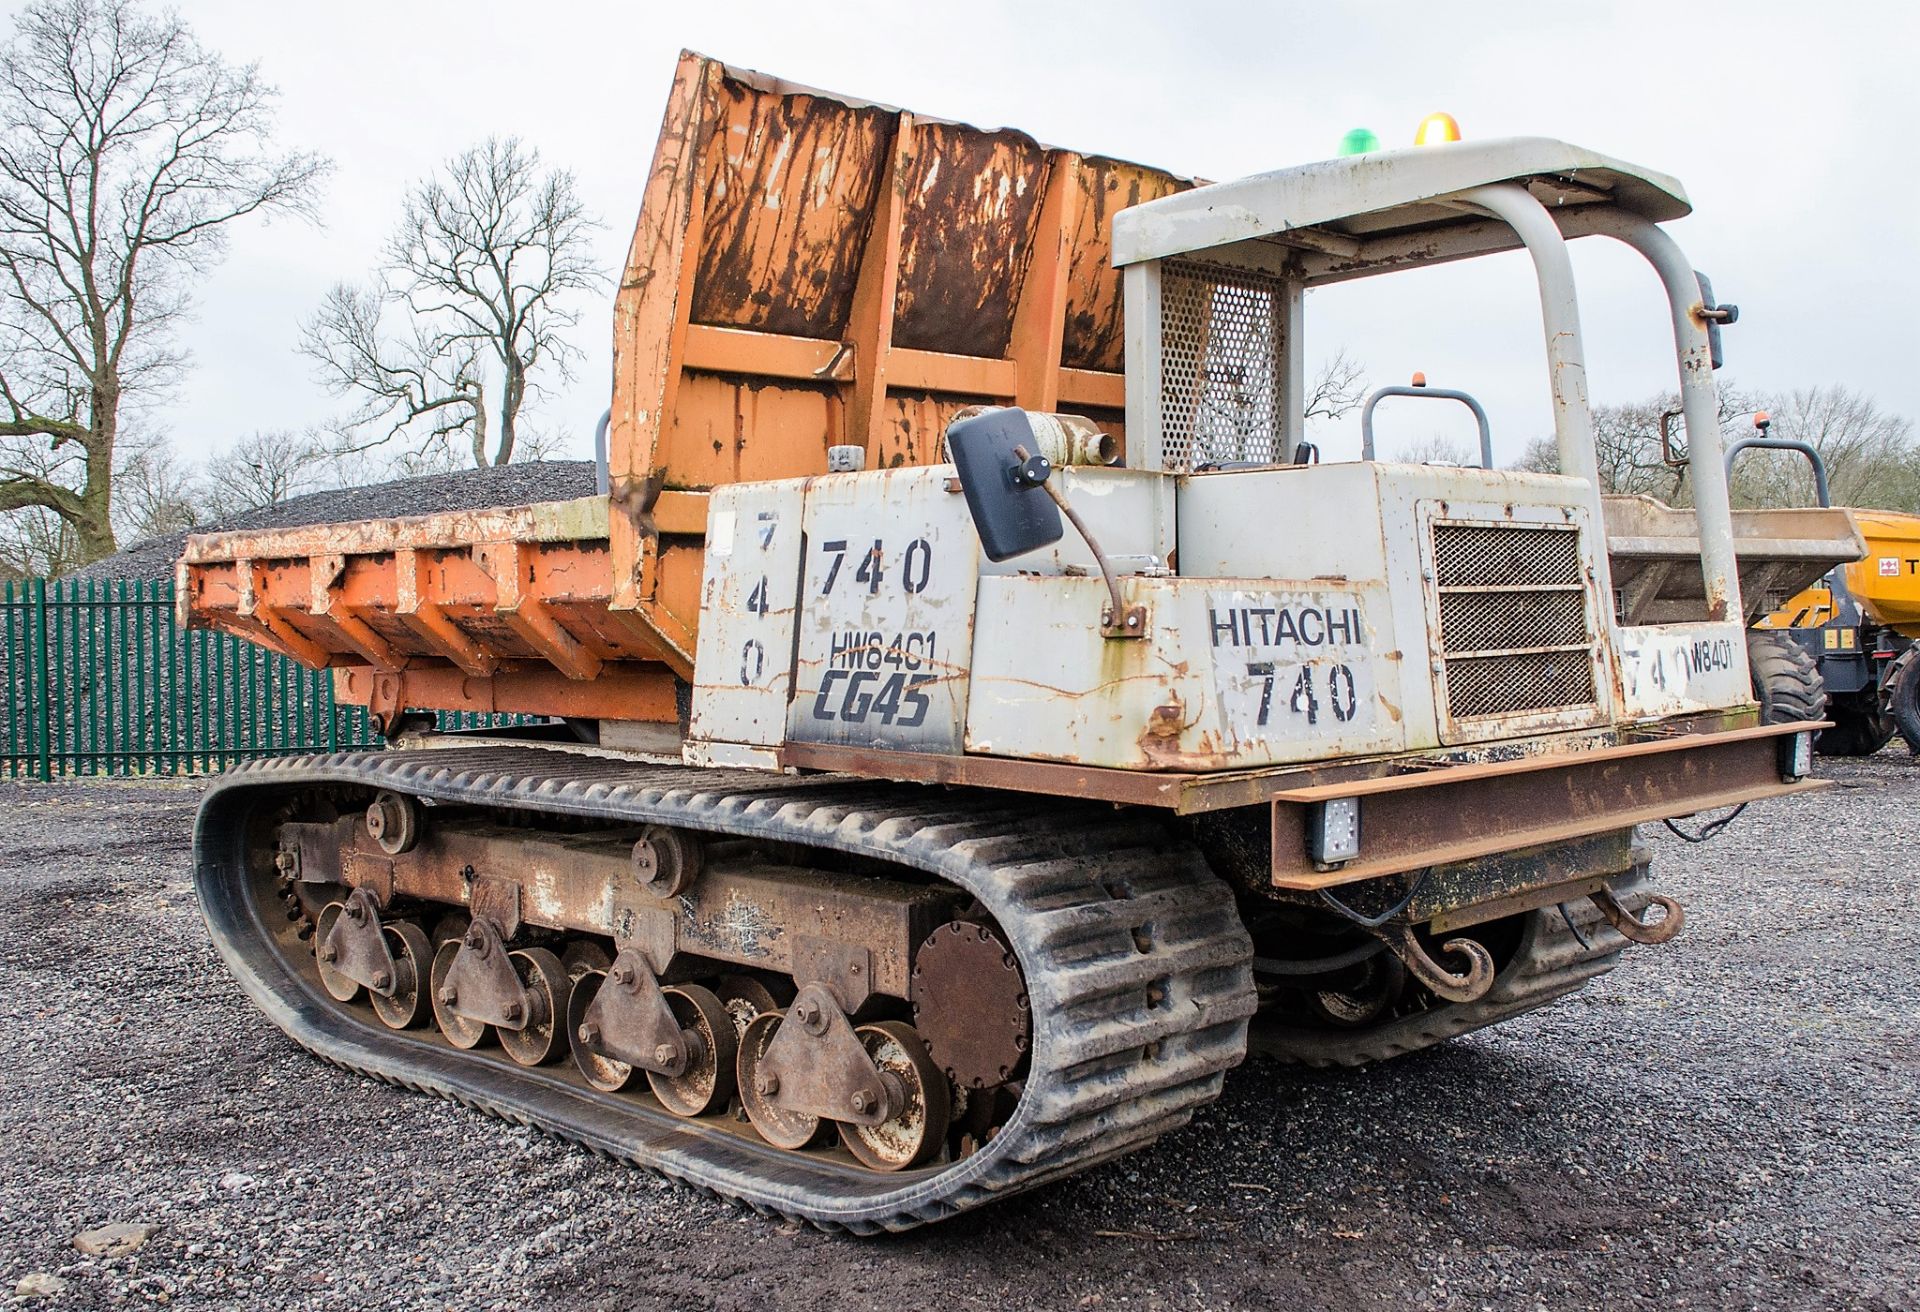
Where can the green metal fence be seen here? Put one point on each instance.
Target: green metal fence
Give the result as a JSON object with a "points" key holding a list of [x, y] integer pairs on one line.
{"points": [[101, 681]]}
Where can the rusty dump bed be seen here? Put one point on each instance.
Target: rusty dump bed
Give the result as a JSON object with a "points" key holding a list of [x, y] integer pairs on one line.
{"points": [[807, 271], [1655, 552]]}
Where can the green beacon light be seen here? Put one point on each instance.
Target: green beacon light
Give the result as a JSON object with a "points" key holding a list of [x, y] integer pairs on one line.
{"points": [[1359, 141]]}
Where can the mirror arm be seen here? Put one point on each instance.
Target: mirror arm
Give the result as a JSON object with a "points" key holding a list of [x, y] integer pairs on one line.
{"points": [[1118, 621]]}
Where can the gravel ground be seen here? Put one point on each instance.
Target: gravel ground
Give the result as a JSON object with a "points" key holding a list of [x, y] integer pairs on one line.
{"points": [[470, 489], [1724, 1123]]}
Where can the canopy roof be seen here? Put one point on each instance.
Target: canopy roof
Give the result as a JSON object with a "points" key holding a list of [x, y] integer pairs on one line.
{"points": [[1342, 218]]}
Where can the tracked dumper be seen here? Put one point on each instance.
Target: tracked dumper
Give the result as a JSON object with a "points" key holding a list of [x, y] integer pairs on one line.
{"points": [[973, 719]]}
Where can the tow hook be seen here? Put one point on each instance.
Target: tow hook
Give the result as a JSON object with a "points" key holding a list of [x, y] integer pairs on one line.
{"points": [[1469, 987], [1636, 929]]}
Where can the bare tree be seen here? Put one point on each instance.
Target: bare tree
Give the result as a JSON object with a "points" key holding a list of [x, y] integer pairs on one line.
{"points": [[126, 151], [1438, 449], [1626, 444], [264, 469], [481, 273], [1337, 390], [1871, 456], [34, 541], [1626, 439], [154, 491]]}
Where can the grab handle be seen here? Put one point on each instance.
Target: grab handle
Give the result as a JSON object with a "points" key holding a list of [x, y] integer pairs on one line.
{"points": [[1438, 394]]}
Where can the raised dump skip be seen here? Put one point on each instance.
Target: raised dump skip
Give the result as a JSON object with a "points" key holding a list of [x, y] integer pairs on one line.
{"points": [[1655, 553], [811, 272], [807, 271]]}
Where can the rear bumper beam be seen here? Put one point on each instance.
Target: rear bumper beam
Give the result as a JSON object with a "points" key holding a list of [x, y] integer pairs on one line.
{"points": [[1449, 814]]}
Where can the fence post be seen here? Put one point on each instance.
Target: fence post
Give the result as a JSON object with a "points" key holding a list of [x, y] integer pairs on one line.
{"points": [[46, 672]]}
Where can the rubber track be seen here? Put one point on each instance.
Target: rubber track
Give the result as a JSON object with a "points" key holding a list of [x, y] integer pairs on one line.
{"points": [[1069, 883], [1550, 963]]}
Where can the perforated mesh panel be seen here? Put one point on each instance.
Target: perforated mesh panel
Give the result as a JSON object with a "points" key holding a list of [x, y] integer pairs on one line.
{"points": [[1503, 685], [1501, 621], [1220, 366], [1518, 590], [1471, 555]]}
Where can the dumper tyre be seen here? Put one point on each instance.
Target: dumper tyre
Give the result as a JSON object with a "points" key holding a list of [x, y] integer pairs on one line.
{"points": [[1786, 679], [1856, 731], [1903, 697]]}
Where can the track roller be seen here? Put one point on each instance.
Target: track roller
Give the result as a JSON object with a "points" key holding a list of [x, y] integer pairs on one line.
{"points": [[537, 1040], [609, 1074], [620, 1021], [852, 1126], [339, 985], [745, 998], [918, 1103], [705, 1082], [781, 1126], [460, 1030], [407, 1004]]}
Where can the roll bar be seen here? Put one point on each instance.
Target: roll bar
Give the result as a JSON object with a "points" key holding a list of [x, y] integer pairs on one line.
{"points": [[1786, 444], [602, 473], [1439, 393], [1699, 404]]}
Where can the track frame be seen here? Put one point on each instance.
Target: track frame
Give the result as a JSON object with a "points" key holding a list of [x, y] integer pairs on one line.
{"points": [[1135, 957]]}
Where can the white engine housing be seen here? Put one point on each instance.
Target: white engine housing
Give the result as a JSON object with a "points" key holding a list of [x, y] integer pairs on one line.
{"points": [[1295, 614]]}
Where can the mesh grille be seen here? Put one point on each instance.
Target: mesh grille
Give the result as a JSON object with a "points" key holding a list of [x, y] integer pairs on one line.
{"points": [[1516, 589], [1499, 621], [1535, 681], [1468, 556], [1220, 366]]}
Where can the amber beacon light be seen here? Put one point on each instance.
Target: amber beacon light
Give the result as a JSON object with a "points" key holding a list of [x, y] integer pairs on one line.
{"points": [[1437, 129]]}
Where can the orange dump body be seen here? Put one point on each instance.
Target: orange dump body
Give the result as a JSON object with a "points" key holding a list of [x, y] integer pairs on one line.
{"points": [[807, 272], [1885, 581]]}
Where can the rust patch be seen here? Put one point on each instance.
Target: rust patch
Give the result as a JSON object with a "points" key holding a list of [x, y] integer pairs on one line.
{"points": [[791, 186], [1094, 338], [1160, 740], [971, 200]]}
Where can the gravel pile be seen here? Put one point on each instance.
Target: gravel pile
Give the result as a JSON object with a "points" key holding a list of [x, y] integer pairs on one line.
{"points": [[471, 489], [1724, 1123]]}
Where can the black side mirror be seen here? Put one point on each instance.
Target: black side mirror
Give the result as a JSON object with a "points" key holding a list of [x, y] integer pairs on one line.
{"points": [[1716, 315], [1003, 484]]}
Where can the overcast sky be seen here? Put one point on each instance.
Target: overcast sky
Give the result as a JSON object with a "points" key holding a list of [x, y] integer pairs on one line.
{"points": [[1791, 125]]}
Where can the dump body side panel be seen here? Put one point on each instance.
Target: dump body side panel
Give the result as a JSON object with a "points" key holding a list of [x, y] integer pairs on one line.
{"points": [[1887, 581]]}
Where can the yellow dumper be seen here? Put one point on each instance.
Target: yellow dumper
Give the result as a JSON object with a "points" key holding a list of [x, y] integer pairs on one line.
{"points": [[1858, 621]]}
